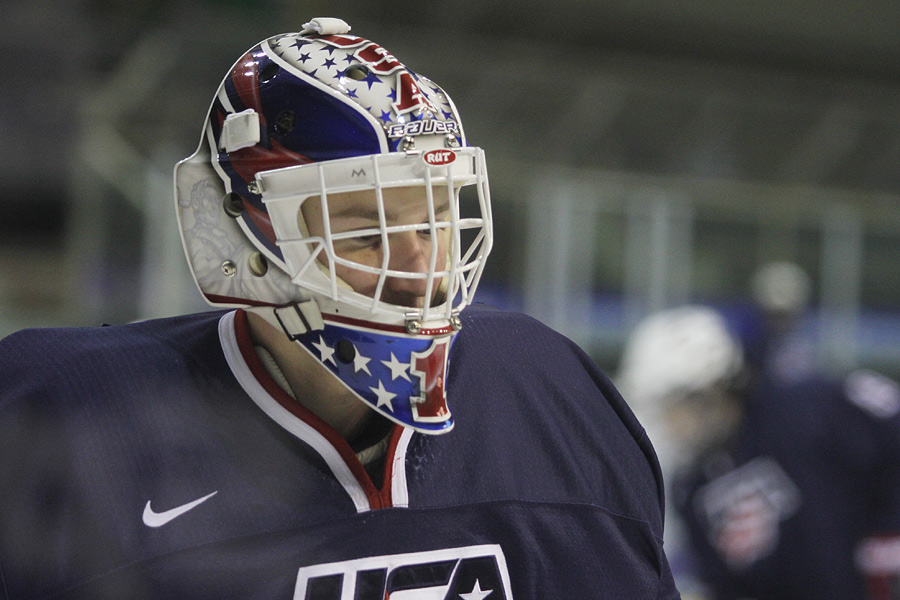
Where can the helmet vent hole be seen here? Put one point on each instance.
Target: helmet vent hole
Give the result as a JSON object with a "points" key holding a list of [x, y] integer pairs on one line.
{"points": [[269, 71], [286, 122], [345, 351], [357, 72], [258, 264], [233, 204]]}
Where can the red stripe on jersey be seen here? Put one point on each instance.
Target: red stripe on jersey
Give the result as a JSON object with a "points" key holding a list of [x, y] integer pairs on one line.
{"points": [[377, 498]]}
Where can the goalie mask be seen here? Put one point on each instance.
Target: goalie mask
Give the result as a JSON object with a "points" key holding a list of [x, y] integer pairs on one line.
{"points": [[333, 194]]}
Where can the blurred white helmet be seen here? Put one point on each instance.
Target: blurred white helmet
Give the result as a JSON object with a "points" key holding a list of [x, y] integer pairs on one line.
{"points": [[675, 353], [676, 373]]}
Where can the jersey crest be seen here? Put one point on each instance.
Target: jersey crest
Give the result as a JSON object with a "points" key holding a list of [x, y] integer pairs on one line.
{"points": [[469, 572], [744, 508]]}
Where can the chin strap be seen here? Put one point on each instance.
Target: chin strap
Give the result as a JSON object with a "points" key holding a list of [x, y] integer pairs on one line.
{"points": [[294, 319]]}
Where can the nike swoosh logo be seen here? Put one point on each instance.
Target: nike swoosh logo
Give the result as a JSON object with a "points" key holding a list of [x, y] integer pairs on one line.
{"points": [[155, 519]]}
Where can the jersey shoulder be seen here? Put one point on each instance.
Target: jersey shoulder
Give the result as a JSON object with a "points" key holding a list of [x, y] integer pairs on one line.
{"points": [[528, 349], [36, 361], [543, 391]]}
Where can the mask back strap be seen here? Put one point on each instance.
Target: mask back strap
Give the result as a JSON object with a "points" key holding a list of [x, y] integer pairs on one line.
{"points": [[294, 319]]}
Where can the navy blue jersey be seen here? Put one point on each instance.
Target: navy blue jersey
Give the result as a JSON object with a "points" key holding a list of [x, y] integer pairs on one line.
{"points": [[809, 486], [161, 460]]}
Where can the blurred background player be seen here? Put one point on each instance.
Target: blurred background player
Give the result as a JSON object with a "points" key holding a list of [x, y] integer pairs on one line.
{"points": [[782, 487], [679, 371], [779, 342], [309, 440]]}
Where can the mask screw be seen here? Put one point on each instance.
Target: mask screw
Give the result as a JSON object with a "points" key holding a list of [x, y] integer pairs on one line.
{"points": [[345, 351], [455, 322], [408, 144], [413, 326], [253, 187], [286, 122], [229, 268]]}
